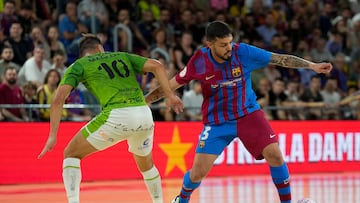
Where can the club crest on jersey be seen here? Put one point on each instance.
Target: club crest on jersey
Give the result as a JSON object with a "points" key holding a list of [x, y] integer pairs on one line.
{"points": [[236, 72], [202, 144]]}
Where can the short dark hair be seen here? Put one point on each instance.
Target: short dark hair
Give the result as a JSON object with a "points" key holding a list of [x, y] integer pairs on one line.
{"points": [[48, 75], [9, 67], [6, 47], [217, 29], [88, 41], [59, 52]]}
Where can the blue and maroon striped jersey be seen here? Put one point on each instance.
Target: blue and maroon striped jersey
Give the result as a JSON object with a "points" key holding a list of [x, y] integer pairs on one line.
{"points": [[226, 87]]}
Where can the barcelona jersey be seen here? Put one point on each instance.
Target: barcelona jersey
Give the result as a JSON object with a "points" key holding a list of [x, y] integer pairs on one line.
{"points": [[226, 87]]}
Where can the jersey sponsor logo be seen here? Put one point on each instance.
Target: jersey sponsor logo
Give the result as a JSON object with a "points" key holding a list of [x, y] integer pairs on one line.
{"points": [[227, 83], [209, 77], [236, 72], [183, 72]]}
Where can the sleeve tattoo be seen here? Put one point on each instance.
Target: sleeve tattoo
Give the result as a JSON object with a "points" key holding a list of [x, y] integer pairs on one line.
{"points": [[286, 60]]}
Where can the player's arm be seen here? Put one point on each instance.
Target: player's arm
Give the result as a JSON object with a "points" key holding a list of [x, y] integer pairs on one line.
{"points": [[62, 93], [158, 93], [291, 61], [165, 89]]}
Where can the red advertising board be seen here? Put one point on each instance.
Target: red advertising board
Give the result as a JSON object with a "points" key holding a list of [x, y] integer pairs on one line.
{"points": [[320, 146]]}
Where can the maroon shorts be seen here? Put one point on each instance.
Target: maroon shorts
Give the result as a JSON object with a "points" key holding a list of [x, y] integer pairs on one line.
{"points": [[255, 132]]}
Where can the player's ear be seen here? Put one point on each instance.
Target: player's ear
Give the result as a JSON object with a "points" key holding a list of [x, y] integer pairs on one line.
{"points": [[100, 48]]}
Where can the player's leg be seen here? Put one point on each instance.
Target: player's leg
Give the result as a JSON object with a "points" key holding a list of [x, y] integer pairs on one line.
{"points": [[77, 149], [192, 178], [260, 140], [151, 176], [211, 143], [98, 134], [140, 143], [279, 171]]}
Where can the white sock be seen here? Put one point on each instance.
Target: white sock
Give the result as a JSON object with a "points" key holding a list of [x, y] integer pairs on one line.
{"points": [[152, 181], [72, 178]]}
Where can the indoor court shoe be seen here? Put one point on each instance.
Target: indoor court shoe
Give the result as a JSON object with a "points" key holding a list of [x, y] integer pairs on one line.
{"points": [[176, 200]]}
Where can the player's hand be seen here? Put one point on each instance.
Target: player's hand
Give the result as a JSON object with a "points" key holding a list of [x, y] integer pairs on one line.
{"points": [[175, 103], [50, 143], [324, 68]]}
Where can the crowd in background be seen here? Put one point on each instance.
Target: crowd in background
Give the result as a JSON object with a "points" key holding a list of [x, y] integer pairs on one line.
{"points": [[39, 39]]}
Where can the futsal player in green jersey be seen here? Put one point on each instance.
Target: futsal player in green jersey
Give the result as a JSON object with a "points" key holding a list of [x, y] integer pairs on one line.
{"points": [[111, 77]]}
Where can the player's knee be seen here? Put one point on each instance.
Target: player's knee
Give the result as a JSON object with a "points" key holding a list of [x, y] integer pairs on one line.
{"points": [[68, 152], [273, 155], [198, 174]]}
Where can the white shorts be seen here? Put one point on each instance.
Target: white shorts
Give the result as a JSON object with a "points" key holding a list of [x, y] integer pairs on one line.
{"points": [[134, 124]]}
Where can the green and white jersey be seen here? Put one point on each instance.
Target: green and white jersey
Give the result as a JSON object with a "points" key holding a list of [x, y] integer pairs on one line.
{"points": [[110, 76]]}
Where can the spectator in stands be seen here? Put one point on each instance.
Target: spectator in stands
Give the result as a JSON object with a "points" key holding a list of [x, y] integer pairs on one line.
{"points": [[93, 10], [354, 34], [70, 29], [351, 103], [302, 49], [22, 48], [184, 50], [46, 93], [7, 55], [148, 5], [319, 53], [104, 39], [262, 95], [186, 22], [354, 72], [161, 45], [295, 33], [272, 72], [27, 17], [293, 92], [42, 12], [305, 75], [340, 72], [140, 45], [7, 17], [335, 43], [112, 7], [58, 62], [10, 93], [267, 30], [276, 98], [165, 23], [192, 100], [54, 41], [332, 98], [30, 97], [146, 26], [38, 39], [313, 94], [325, 16], [201, 21], [340, 26], [249, 23], [35, 68], [78, 114]]}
